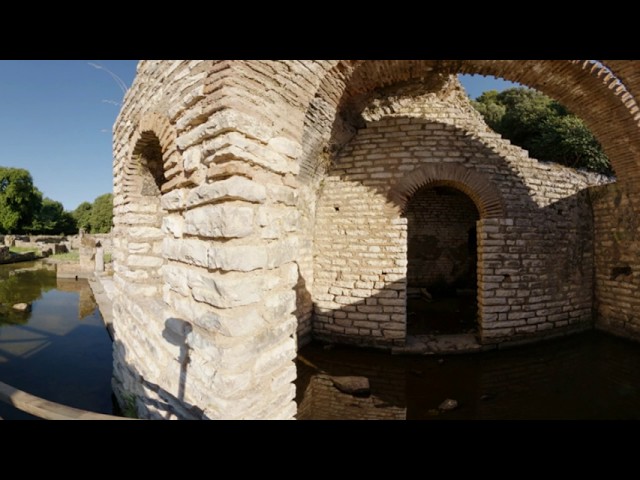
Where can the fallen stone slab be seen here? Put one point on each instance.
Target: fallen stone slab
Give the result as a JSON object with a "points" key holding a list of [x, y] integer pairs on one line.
{"points": [[448, 404], [22, 307], [357, 386]]}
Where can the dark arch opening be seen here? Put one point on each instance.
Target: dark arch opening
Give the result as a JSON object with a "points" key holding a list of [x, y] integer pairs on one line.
{"points": [[442, 257], [149, 153], [146, 178]]}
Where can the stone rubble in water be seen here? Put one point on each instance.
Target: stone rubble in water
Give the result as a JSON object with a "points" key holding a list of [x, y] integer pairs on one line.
{"points": [[448, 404], [352, 385], [22, 307]]}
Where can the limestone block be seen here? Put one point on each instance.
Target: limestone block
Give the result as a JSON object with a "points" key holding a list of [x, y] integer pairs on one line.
{"points": [[244, 258], [282, 194], [220, 221], [188, 250], [283, 251], [175, 278], [285, 146], [279, 304], [239, 324], [137, 248], [174, 200], [228, 290], [234, 188], [148, 233], [173, 225], [144, 261], [191, 159]]}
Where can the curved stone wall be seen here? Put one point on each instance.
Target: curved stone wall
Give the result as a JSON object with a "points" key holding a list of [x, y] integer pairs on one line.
{"points": [[226, 178]]}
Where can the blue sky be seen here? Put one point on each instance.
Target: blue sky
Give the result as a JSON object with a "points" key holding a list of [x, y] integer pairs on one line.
{"points": [[54, 122], [56, 118], [476, 84]]}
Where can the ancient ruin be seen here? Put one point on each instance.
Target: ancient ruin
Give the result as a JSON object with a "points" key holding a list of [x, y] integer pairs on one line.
{"points": [[262, 204]]}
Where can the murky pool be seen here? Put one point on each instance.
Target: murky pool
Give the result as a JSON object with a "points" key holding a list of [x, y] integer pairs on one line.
{"points": [[587, 376], [60, 350]]}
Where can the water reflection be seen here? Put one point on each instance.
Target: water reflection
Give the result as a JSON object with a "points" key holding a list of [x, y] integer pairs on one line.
{"points": [[588, 376], [60, 350]]}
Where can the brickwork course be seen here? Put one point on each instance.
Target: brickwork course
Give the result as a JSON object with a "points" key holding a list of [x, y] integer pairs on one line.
{"points": [[261, 204]]}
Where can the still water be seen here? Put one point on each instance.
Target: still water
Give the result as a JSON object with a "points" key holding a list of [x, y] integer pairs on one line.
{"points": [[586, 376], [60, 350]]}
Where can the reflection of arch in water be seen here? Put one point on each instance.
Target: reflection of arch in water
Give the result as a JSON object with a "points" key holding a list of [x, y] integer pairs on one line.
{"points": [[441, 261], [318, 398]]}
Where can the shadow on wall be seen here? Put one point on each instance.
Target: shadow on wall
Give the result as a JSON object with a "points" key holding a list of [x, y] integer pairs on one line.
{"points": [[165, 405], [535, 258]]}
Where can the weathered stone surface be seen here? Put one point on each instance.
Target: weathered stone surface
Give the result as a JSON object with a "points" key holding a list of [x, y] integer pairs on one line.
{"points": [[448, 404], [234, 188], [242, 258], [229, 290], [295, 179], [22, 307], [219, 221], [238, 325], [174, 200], [358, 386]]}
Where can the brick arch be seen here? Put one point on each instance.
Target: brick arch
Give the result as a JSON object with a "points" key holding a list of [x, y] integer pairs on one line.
{"points": [[153, 128], [476, 186], [151, 151], [589, 90]]}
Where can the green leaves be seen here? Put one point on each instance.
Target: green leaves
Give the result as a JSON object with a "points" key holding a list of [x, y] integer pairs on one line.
{"points": [[542, 126], [19, 199], [102, 214], [96, 217], [51, 219]]}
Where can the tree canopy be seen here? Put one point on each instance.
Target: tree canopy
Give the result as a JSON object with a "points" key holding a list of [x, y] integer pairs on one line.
{"points": [[20, 200], [96, 217], [24, 210], [52, 219], [102, 214], [82, 215], [542, 126]]}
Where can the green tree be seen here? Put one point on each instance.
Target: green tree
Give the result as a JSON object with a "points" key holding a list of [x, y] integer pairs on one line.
{"points": [[542, 126], [20, 200], [52, 219], [82, 215], [102, 214]]}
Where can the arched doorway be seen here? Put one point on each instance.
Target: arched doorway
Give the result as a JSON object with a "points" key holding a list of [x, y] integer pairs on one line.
{"points": [[144, 253], [441, 262]]}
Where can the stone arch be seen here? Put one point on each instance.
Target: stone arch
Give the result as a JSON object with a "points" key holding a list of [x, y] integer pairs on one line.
{"points": [[153, 138], [588, 89], [484, 194], [152, 152]]}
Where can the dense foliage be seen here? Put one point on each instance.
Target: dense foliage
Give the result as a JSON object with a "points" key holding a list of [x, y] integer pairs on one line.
{"points": [[51, 219], [542, 126], [102, 214], [96, 217], [24, 210], [20, 200]]}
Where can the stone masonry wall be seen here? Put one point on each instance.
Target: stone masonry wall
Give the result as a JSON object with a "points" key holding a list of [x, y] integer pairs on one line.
{"points": [[204, 247], [439, 221], [616, 211], [535, 261], [227, 175]]}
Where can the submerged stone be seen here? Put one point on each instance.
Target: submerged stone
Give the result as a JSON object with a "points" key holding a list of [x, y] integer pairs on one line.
{"points": [[22, 307], [358, 386], [448, 404]]}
